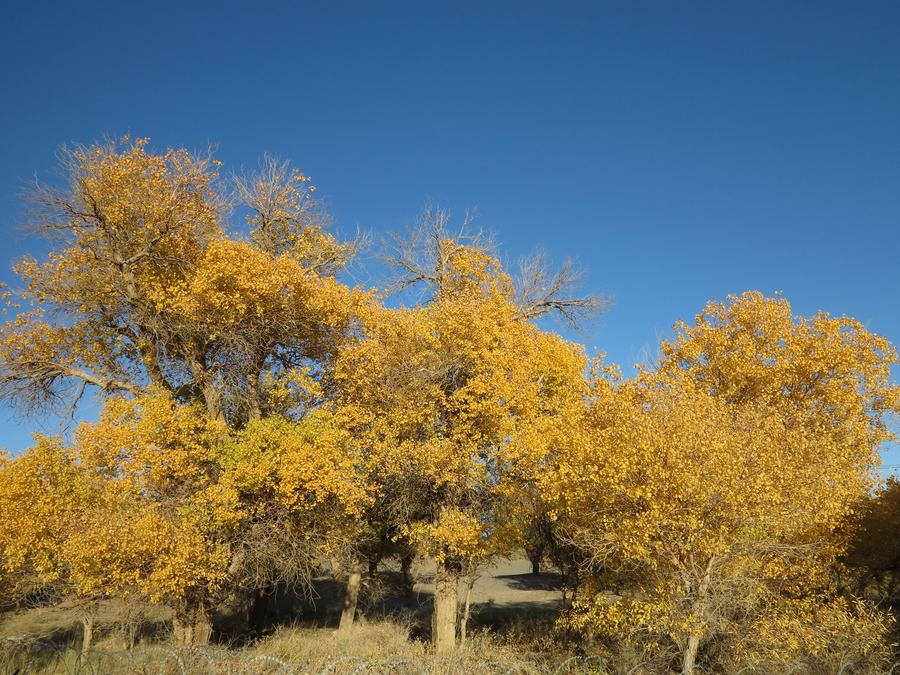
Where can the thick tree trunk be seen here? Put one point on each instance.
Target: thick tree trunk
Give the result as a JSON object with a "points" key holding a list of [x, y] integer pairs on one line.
{"points": [[130, 635], [446, 607], [87, 633], [205, 379], [258, 616], [535, 555], [689, 658], [337, 568], [406, 563], [254, 403], [202, 630], [354, 581], [150, 359], [193, 626], [213, 399]]}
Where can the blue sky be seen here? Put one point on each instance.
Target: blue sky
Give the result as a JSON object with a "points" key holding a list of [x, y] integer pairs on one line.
{"points": [[680, 151]]}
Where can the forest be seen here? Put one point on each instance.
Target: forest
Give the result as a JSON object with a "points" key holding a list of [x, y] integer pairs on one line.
{"points": [[265, 422]]}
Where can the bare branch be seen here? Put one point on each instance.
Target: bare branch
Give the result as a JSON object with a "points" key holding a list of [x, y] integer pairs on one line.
{"points": [[540, 292], [422, 255]]}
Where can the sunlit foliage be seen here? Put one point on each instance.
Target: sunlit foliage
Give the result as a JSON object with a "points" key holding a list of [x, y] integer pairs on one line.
{"points": [[259, 416], [710, 492]]}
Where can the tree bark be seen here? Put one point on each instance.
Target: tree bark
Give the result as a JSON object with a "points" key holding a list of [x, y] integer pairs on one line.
{"points": [[150, 359], [337, 568], [406, 563], [205, 378], [354, 581], [254, 403], [692, 646], [193, 626], [258, 616], [212, 397], [689, 658], [446, 607], [535, 555], [87, 633], [463, 625]]}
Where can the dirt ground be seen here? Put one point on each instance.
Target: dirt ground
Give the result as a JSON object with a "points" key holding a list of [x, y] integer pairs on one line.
{"points": [[503, 582], [504, 593]]}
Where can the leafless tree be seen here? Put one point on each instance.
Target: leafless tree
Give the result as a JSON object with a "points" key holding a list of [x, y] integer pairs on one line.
{"points": [[422, 258]]}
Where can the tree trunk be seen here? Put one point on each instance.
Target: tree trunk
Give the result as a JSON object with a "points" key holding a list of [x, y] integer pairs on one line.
{"points": [[258, 616], [337, 568], [689, 658], [87, 633], [213, 399], [206, 380], [446, 606], [470, 581], [535, 555], [192, 627], [150, 359], [130, 635], [254, 403], [406, 563], [354, 581], [180, 631]]}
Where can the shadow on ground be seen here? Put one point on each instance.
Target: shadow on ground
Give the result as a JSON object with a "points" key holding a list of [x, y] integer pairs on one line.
{"points": [[500, 598], [504, 598], [498, 601], [549, 581]]}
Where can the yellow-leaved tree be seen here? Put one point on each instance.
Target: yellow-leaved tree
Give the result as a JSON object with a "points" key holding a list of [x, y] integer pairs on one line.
{"points": [[211, 347], [711, 492], [157, 502], [873, 557], [42, 495], [445, 396], [67, 534], [145, 285]]}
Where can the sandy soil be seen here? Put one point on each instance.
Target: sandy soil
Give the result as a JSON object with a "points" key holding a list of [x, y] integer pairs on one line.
{"points": [[503, 582]]}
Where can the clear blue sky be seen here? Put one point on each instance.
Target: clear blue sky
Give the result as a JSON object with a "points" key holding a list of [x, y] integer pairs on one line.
{"points": [[681, 151]]}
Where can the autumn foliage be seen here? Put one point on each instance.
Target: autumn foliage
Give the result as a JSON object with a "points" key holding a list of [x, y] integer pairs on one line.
{"points": [[260, 417]]}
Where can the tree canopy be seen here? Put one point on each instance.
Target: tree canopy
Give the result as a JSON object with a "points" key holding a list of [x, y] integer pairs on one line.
{"points": [[260, 416]]}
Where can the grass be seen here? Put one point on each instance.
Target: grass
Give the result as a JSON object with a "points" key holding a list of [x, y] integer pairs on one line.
{"points": [[512, 622], [382, 644], [61, 623]]}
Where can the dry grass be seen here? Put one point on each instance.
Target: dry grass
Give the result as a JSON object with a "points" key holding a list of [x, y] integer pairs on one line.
{"points": [[512, 622], [376, 640], [376, 643], [116, 623]]}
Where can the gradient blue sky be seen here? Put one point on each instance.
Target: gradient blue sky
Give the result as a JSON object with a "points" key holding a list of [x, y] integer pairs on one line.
{"points": [[681, 151]]}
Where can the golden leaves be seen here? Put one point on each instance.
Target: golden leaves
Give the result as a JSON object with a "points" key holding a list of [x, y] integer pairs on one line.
{"points": [[727, 473], [303, 465], [247, 390], [451, 399], [148, 498]]}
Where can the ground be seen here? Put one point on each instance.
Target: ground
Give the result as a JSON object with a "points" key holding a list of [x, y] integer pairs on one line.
{"points": [[504, 591], [512, 616]]}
